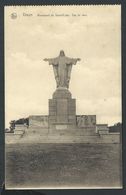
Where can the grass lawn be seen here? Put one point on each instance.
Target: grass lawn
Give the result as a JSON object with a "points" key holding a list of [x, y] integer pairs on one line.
{"points": [[63, 165]]}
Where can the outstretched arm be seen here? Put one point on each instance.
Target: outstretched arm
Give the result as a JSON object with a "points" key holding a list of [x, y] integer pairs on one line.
{"points": [[52, 61], [46, 59], [72, 60]]}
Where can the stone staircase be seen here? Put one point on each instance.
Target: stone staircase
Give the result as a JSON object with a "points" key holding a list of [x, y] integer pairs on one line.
{"points": [[39, 135]]}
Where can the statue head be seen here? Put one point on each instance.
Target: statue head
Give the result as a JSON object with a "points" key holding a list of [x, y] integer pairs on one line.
{"points": [[62, 53]]}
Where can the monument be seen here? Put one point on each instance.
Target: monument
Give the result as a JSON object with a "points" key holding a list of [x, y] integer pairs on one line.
{"points": [[62, 107], [62, 125]]}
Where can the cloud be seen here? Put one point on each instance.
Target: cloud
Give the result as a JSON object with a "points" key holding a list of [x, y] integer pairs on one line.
{"points": [[28, 88], [95, 80]]}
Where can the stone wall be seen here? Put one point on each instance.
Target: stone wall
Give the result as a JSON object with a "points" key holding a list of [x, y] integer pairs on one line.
{"points": [[38, 121], [40, 138], [20, 126], [11, 138], [110, 138], [20, 129], [102, 129], [87, 123], [80, 121], [85, 132]]}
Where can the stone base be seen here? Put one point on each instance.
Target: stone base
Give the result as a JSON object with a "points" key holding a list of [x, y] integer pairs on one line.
{"points": [[62, 110]]}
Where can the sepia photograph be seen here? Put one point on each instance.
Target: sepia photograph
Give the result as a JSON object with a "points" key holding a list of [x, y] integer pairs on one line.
{"points": [[63, 105]]}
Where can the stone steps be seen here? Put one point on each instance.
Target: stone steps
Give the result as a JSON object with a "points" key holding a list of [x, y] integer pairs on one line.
{"points": [[68, 132], [35, 138], [27, 138], [34, 135]]}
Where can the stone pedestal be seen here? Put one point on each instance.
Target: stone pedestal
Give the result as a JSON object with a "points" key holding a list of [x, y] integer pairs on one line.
{"points": [[62, 110]]}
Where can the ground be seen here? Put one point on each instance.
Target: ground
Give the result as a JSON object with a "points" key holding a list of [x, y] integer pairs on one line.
{"points": [[63, 165]]}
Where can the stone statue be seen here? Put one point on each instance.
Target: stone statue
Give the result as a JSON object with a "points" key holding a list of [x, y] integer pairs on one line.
{"points": [[62, 67]]}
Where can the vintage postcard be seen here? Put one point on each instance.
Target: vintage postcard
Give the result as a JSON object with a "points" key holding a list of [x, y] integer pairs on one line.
{"points": [[63, 97]]}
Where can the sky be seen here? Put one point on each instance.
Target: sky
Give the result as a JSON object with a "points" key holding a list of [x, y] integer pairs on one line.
{"points": [[92, 33]]}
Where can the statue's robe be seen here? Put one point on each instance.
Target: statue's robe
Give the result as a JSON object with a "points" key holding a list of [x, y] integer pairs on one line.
{"points": [[62, 66]]}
